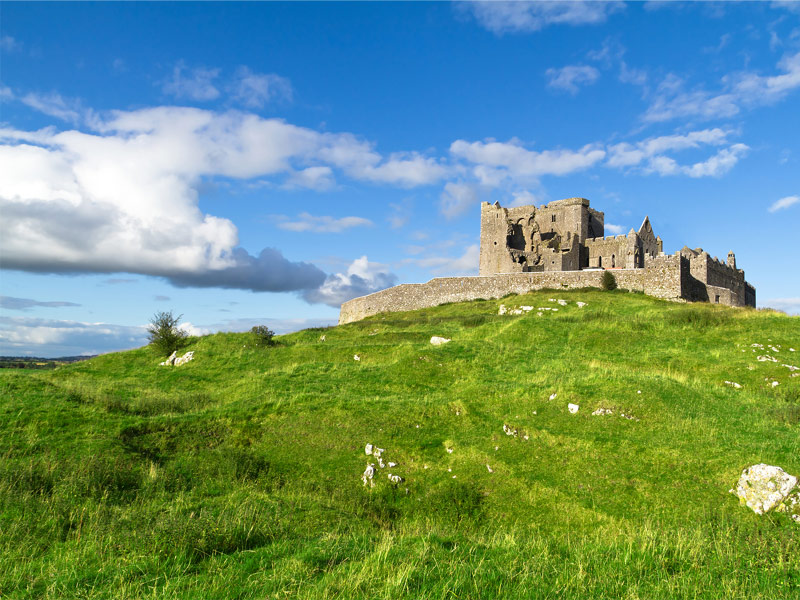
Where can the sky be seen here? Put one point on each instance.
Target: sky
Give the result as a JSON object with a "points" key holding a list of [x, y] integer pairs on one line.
{"points": [[260, 163]]}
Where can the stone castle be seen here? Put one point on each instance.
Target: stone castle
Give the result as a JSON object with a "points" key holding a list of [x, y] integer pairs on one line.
{"points": [[563, 245]]}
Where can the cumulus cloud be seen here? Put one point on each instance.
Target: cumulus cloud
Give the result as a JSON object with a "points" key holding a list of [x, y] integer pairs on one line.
{"points": [[123, 197], [515, 160], [570, 78], [362, 278], [745, 89], [515, 17], [11, 303], [193, 84], [650, 155], [614, 229], [321, 224], [254, 90], [784, 203]]}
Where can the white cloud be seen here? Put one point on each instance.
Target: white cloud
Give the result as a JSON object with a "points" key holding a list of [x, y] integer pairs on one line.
{"points": [[517, 161], [614, 229], [31, 336], [512, 17], [194, 84], [466, 264], [784, 203], [740, 90], [55, 105], [313, 178], [457, 198], [307, 222], [362, 278], [571, 77], [9, 44], [523, 198], [650, 154], [123, 198], [254, 90]]}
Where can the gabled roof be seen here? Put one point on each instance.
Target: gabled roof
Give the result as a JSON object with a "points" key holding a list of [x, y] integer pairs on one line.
{"points": [[646, 226]]}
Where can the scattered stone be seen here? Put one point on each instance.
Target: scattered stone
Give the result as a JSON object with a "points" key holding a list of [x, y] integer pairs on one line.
{"points": [[369, 473], [562, 302], [763, 487], [581, 304], [392, 464], [573, 408], [775, 384], [184, 359], [526, 437], [791, 367], [734, 384], [488, 468], [449, 450], [512, 431], [791, 349], [438, 341], [638, 391], [395, 479], [356, 357], [774, 349], [765, 358], [322, 338], [170, 361], [376, 452], [496, 448], [553, 396], [368, 449], [629, 417], [602, 411], [756, 346]]}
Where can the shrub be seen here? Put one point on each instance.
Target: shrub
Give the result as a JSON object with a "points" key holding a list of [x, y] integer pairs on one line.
{"points": [[263, 335], [163, 333], [609, 282]]}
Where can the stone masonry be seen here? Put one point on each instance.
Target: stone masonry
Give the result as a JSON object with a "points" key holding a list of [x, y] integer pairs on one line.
{"points": [[562, 245]]}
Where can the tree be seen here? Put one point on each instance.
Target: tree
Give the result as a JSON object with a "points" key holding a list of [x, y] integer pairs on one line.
{"points": [[263, 335], [164, 334], [609, 282]]}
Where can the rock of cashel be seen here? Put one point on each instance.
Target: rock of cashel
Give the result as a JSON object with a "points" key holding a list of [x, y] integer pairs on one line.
{"points": [[563, 245]]}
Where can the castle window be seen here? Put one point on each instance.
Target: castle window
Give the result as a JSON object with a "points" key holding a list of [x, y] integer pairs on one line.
{"points": [[553, 218], [716, 299]]}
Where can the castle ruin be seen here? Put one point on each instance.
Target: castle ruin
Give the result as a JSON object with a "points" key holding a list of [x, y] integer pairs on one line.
{"points": [[563, 245]]}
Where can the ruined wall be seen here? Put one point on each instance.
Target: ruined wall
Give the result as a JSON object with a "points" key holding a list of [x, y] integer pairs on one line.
{"points": [[609, 252], [662, 281]]}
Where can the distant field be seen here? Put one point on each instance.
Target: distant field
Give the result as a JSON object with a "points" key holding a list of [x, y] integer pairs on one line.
{"points": [[238, 475]]}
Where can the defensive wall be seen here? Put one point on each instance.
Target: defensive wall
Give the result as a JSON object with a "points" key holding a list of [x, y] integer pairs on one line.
{"points": [[663, 280]]}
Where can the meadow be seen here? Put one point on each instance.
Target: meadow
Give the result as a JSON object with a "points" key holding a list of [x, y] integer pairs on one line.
{"points": [[238, 475]]}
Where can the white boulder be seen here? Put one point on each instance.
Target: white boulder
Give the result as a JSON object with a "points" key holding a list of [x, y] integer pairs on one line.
{"points": [[170, 361], [184, 359], [438, 341], [763, 487], [369, 473], [573, 408]]}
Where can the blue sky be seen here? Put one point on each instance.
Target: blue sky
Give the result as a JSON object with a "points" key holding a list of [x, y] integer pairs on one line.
{"points": [[259, 163]]}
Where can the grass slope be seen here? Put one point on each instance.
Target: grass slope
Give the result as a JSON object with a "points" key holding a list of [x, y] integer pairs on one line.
{"points": [[238, 474]]}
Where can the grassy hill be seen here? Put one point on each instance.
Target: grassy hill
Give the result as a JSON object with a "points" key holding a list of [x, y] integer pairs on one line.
{"points": [[238, 474]]}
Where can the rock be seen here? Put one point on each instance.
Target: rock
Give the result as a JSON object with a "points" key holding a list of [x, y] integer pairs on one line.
{"points": [[322, 338], [170, 361], [369, 473], [438, 341], [791, 367], [392, 464], [449, 450], [510, 430], [766, 358], [775, 384], [763, 487], [573, 408], [184, 359], [734, 384], [502, 310], [638, 391], [368, 449], [356, 357], [488, 468], [553, 396], [562, 302], [395, 479], [602, 411], [581, 304], [792, 506], [526, 308]]}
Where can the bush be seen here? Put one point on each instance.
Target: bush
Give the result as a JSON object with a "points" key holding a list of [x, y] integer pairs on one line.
{"points": [[609, 282], [263, 335], [163, 333]]}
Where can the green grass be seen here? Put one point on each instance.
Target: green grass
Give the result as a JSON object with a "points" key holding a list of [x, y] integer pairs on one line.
{"points": [[238, 474]]}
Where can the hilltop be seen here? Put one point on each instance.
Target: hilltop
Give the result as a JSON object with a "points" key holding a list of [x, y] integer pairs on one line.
{"points": [[238, 474]]}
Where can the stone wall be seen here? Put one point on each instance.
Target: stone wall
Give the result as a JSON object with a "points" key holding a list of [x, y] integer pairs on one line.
{"points": [[662, 280]]}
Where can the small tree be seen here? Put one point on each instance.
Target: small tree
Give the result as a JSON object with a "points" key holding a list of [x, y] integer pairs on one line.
{"points": [[164, 334], [263, 335], [609, 282]]}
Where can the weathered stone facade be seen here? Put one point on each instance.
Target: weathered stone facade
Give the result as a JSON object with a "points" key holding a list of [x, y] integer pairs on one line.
{"points": [[562, 245]]}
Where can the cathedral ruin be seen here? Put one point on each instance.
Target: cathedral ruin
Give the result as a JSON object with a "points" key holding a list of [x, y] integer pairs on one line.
{"points": [[563, 244]]}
